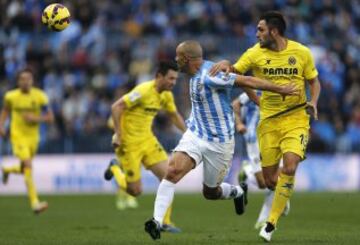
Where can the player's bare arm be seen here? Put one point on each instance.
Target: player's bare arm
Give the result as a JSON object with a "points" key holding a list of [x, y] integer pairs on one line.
{"points": [[315, 88], [177, 120], [257, 83], [239, 125], [117, 110], [3, 117]]}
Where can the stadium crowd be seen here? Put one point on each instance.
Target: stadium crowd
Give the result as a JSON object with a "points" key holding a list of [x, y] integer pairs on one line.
{"points": [[111, 46]]}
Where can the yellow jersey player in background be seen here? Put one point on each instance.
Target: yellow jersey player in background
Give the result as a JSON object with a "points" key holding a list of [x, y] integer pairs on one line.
{"points": [[135, 143], [283, 128], [123, 199], [27, 107]]}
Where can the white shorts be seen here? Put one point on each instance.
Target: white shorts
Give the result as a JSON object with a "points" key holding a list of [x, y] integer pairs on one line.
{"points": [[217, 157], [253, 153]]}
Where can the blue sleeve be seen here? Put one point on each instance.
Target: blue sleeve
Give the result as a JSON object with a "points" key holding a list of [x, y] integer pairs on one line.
{"points": [[221, 80]]}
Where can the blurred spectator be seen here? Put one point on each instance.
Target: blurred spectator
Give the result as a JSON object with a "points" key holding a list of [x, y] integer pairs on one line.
{"points": [[111, 45]]}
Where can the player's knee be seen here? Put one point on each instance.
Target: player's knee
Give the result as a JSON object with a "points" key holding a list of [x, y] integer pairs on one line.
{"points": [[289, 170], [134, 191], [211, 194], [262, 184], [173, 174], [270, 183]]}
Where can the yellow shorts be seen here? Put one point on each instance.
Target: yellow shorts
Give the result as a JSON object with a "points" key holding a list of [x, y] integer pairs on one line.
{"points": [[288, 133], [24, 151], [131, 156]]}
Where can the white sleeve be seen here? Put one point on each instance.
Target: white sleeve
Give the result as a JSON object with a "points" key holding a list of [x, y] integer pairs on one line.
{"points": [[243, 98]]}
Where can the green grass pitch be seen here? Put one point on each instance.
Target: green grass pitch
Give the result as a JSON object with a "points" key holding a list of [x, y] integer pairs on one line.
{"points": [[315, 218]]}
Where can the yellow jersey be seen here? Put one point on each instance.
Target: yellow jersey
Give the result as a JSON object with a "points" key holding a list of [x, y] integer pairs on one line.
{"points": [[293, 64], [19, 104], [143, 103]]}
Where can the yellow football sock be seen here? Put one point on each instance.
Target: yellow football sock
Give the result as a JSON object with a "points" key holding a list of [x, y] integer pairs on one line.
{"points": [[283, 191], [30, 187], [13, 169], [168, 215], [119, 176]]}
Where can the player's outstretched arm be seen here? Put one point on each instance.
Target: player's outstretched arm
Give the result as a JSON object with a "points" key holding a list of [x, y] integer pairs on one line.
{"points": [[3, 117], [117, 110], [257, 83], [177, 120]]}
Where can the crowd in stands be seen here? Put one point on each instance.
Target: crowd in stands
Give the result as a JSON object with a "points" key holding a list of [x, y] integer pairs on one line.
{"points": [[110, 46]]}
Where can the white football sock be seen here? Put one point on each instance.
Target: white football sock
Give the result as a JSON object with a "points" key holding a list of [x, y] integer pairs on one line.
{"points": [[230, 191], [164, 198], [266, 207]]}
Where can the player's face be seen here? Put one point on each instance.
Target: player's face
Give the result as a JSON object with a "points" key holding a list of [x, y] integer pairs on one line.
{"points": [[25, 81], [182, 60], [264, 35], [169, 80]]}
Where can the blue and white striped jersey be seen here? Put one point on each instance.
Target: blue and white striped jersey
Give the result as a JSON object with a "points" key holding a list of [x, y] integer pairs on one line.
{"points": [[250, 112], [212, 116]]}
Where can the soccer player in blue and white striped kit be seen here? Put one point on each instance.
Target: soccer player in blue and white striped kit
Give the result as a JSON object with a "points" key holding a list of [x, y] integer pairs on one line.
{"points": [[210, 135]]}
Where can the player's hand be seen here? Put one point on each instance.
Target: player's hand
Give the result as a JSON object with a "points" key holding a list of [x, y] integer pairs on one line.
{"points": [[311, 108], [289, 89], [241, 128], [31, 118], [115, 141], [223, 65]]}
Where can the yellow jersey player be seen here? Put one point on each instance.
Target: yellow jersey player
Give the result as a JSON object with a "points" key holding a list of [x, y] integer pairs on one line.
{"points": [[27, 107], [134, 140], [283, 128], [123, 199]]}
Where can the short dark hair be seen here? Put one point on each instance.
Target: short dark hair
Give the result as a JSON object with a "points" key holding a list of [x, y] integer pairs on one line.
{"points": [[27, 69], [165, 65], [276, 20]]}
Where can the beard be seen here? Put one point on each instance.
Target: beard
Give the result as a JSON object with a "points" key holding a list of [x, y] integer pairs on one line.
{"points": [[267, 42]]}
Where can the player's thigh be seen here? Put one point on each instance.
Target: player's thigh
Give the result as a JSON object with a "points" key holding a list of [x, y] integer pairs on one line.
{"points": [[159, 169], [22, 151], [180, 163], [269, 143], [130, 160], [154, 153], [217, 160], [295, 141]]}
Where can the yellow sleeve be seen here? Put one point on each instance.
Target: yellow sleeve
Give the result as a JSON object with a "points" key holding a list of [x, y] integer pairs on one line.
{"points": [[44, 99], [244, 62], [134, 96], [310, 71], [7, 101], [169, 104]]}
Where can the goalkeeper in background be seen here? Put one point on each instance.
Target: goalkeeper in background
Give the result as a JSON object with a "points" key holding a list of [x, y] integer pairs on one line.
{"points": [[27, 107], [134, 141]]}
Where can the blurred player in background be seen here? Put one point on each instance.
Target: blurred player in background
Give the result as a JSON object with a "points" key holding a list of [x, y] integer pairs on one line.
{"points": [[123, 199], [247, 116], [210, 135], [27, 107], [284, 126], [135, 143]]}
